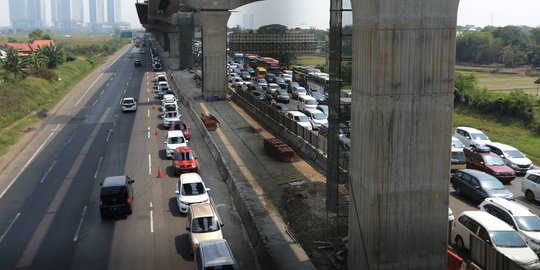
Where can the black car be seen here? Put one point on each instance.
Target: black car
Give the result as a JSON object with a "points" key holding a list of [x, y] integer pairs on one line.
{"points": [[255, 87], [320, 97], [137, 63], [258, 94], [478, 185], [116, 195], [281, 96], [269, 99], [270, 78], [281, 82], [280, 107]]}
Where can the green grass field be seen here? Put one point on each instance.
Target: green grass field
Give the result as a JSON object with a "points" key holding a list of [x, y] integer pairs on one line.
{"points": [[310, 60]]}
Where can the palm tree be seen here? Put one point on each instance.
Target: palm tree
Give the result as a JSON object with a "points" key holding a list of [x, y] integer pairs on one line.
{"points": [[37, 59], [54, 55]]}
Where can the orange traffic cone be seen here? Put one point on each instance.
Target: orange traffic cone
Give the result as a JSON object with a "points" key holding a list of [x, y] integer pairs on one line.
{"points": [[159, 173], [157, 132]]}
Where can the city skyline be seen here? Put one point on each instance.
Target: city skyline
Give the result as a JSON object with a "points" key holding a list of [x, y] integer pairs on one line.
{"points": [[471, 12]]}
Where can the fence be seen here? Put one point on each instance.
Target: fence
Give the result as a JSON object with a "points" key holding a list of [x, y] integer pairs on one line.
{"points": [[486, 257]]}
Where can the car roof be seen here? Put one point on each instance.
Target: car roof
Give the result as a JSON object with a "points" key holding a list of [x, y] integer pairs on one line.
{"points": [[183, 149], [175, 133], [201, 210], [478, 174], [535, 172], [488, 221], [188, 178], [306, 97], [515, 208], [311, 110], [114, 181], [216, 252], [501, 146], [296, 113], [469, 129], [129, 98]]}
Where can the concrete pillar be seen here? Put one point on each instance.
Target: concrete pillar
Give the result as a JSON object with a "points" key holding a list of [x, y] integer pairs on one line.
{"points": [[174, 46], [166, 42], [403, 79], [185, 33], [214, 42]]}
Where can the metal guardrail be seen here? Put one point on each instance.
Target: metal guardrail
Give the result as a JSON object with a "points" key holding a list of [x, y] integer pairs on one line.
{"points": [[485, 256]]}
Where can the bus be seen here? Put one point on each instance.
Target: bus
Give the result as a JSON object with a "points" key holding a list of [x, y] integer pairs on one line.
{"points": [[260, 72], [318, 81], [300, 74], [251, 60], [270, 64]]}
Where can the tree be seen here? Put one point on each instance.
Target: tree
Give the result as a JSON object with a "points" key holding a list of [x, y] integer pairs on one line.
{"points": [[272, 29], [37, 59], [15, 67], [477, 47], [512, 35], [533, 54], [512, 57], [54, 56], [36, 34]]}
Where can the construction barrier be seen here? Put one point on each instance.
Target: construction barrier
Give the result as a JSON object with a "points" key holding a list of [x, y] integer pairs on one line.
{"points": [[454, 261]]}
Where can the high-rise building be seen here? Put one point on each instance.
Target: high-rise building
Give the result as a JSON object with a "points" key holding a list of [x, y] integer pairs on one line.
{"points": [[25, 14], [110, 12], [249, 22], [92, 11], [61, 14], [77, 11], [100, 11], [117, 11]]}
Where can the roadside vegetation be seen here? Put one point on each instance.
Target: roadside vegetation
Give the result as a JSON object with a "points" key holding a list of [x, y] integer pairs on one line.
{"points": [[32, 85]]}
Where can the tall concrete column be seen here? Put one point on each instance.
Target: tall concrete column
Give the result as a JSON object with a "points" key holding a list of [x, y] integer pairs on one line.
{"points": [[403, 79], [166, 42], [214, 43], [174, 46], [185, 33]]}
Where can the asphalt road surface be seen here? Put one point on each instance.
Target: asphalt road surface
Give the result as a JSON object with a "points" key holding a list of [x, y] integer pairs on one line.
{"points": [[49, 209]]}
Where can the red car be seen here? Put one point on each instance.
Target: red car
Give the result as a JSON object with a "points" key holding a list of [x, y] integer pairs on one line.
{"points": [[182, 125], [184, 160], [481, 158]]}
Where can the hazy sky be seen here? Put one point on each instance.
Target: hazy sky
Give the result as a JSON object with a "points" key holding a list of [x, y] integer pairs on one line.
{"points": [[307, 13]]}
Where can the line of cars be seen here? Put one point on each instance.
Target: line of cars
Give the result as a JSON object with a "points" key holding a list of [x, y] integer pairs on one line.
{"points": [[481, 168], [203, 223]]}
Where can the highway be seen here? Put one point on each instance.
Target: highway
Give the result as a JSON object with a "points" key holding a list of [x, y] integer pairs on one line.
{"points": [[49, 200]]}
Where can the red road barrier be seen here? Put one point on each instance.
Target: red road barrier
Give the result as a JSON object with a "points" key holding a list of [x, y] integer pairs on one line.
{"points": [[454, 261], [278, 149]]}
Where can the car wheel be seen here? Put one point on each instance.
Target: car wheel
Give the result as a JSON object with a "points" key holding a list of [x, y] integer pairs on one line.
{"points": [[458, 191], [529, 195], [459, 243]]}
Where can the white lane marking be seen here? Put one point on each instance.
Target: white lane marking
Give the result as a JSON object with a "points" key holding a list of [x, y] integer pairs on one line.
{"points": [[98, 167], [80, 224], [151, 219], [28, 163], [147, 99], [109, 135], [149, 165], [48, 171], [94, 104], [86, 92], [124, 91], [107, 85], [148, 113], [127, 83], [148, 131], [9, 227], [102, 91]]}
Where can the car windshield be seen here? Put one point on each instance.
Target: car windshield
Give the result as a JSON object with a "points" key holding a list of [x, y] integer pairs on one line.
{"points": [[301, 118], [128, 101], [193, 189], [457, 157], [283, 93], [204, 224], [176, 140], [491, 184], [457, 143], [171, 114], [513, 154], [528, 223], [509, 239], [311, 102], [493, 160], [479, 136], [184, 156], [318, 116]]}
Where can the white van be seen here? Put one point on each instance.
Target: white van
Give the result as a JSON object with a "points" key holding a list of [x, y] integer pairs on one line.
{"points": [[214, 254], [306, 102], [496, 233], [471, 136]]}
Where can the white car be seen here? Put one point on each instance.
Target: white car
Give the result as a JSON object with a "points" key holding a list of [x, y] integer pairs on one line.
{"points": [[272, 87], [471, 136], [317, 118], [501, 236], [169, 117], [175, 139], [530, 185], [128, 104], [287, 78], [518, 216], [456, 143], [511, 156], [190, 189], [300, 118]]}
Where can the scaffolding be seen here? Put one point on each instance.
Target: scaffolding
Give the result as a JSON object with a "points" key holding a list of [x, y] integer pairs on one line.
{"points": [[339, 102]]}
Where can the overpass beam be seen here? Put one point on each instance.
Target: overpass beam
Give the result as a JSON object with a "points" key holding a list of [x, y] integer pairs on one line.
{"points": [[214, 43], [185, 33], [403, 81]]}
